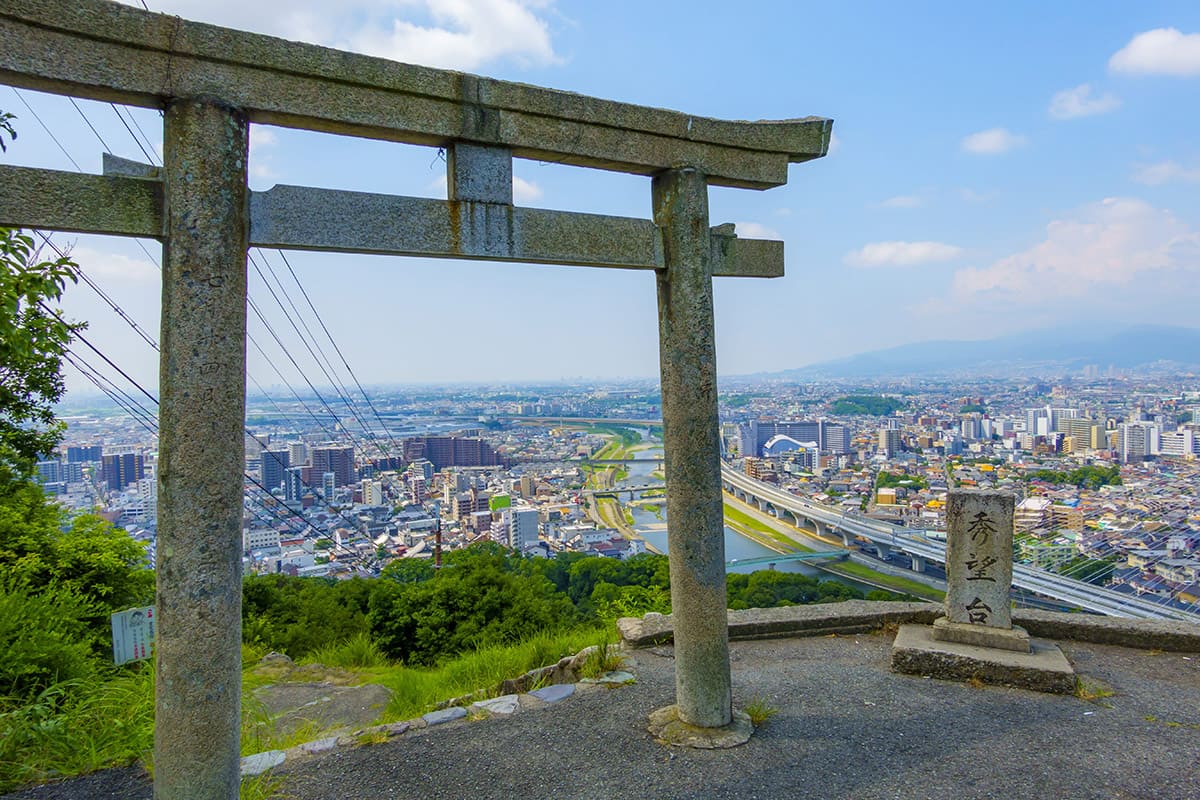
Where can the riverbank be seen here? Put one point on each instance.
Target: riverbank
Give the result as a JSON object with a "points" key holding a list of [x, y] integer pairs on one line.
{"points": [[742, 517]]}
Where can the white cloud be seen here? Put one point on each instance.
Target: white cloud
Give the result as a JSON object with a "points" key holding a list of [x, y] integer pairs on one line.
{"points": [[1164, 172], [754, 230], [1079, 102], [835, 144], [902, 254], [1162, 51], [453, 34], [903, 201], [260, 138], [106, 268], [525, 191], [1115, 242], [992, 142]]}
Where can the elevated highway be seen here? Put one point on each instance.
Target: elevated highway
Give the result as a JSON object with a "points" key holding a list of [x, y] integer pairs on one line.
{"points": [[888, 538]]}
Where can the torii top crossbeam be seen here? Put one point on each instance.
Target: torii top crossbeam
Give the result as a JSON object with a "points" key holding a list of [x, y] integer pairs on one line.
{"points": [[111, 52]]}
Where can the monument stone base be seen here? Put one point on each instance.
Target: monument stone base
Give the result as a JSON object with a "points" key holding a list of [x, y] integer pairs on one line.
{"points": [[1043, 669], [667, 728], [1015, 638]]}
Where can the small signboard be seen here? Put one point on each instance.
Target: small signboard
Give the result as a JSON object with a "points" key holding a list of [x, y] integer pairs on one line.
{"points": [[133, 634]]}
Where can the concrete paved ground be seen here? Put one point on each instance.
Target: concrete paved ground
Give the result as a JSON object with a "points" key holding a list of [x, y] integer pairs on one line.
{"points": [[846, 728]]}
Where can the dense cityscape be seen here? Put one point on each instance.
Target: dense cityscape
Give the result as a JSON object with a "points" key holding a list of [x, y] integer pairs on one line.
{"points": [[1104, 469]]}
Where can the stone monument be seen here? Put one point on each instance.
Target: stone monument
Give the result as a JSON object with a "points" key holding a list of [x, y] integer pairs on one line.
{"points": [[976, 639], [979, 541]]}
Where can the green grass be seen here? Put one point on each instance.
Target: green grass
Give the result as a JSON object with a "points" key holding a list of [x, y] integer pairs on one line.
{"points": [[849, 569], [915, 588], [759, 711], [759, 530], [77, 727], [416, 690], [357, 652], [605, 658]]}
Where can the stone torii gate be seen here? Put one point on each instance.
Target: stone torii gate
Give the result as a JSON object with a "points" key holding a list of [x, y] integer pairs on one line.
{"points": [[211, 83]]}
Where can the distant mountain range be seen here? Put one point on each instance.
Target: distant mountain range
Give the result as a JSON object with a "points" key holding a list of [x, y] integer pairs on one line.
{"points": [[1043, 352]]}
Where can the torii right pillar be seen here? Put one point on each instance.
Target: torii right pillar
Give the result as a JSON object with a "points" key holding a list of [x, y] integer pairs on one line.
{"points": [[703, 714]]}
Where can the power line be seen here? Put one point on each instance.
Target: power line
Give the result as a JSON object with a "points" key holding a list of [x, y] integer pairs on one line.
{"points": [[46, 128], [103, 296], [100, 138], [337, 349], [332, 380], [136, 141]]}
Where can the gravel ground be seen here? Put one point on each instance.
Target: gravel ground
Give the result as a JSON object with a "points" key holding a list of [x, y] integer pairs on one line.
{"points": [[846, 728]]}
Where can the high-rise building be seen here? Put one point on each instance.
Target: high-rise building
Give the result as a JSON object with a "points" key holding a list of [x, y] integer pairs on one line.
{"points": [[328, 487], [274, 463], [1136, 441], [337, 459], [1086, 434], [889, 441], [453, 451], [122, 469], [1037, 421], [1183, 442], [84, 454], [297, 453], [372, 493], [522, 528], [1059, 417], [831, 437], [293, 483]]}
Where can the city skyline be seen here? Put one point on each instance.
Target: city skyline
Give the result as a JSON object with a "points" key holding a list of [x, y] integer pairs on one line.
{"points": [[988, 175]]}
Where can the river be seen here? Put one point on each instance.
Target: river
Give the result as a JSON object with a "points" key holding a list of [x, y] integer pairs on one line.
{"points": [[650, 527]]}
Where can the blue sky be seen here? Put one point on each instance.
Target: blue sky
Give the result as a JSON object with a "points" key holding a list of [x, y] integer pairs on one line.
{"points": [[996, 168]]}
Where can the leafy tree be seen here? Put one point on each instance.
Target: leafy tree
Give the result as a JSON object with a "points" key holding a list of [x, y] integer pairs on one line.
{"points": [[299, 615], [33, 338], [866, 405], [45, 550], [480, 598], [409, 570]]}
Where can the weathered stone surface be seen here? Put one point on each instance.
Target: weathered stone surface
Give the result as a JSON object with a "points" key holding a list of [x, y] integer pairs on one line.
{"points": [[1043, 669], [979, 539], [70, 201], [259, 763], [293, 705], [553, 694], [667, 727], [1141, 633], [503, 705], [201, 454], [853, 616], [691, 450], [306, 218], [1014, 638], [116, 53], [481, 174], [445, 715], [319, 745], [614, 678], [849, 616]]}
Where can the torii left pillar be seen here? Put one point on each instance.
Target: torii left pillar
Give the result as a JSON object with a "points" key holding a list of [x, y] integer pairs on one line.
{"points": [[201, 444]]}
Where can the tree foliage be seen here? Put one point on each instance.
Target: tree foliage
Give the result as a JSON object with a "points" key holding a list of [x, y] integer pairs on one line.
{"points": [[1086, 477], [33, 338], [866, 405]]}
